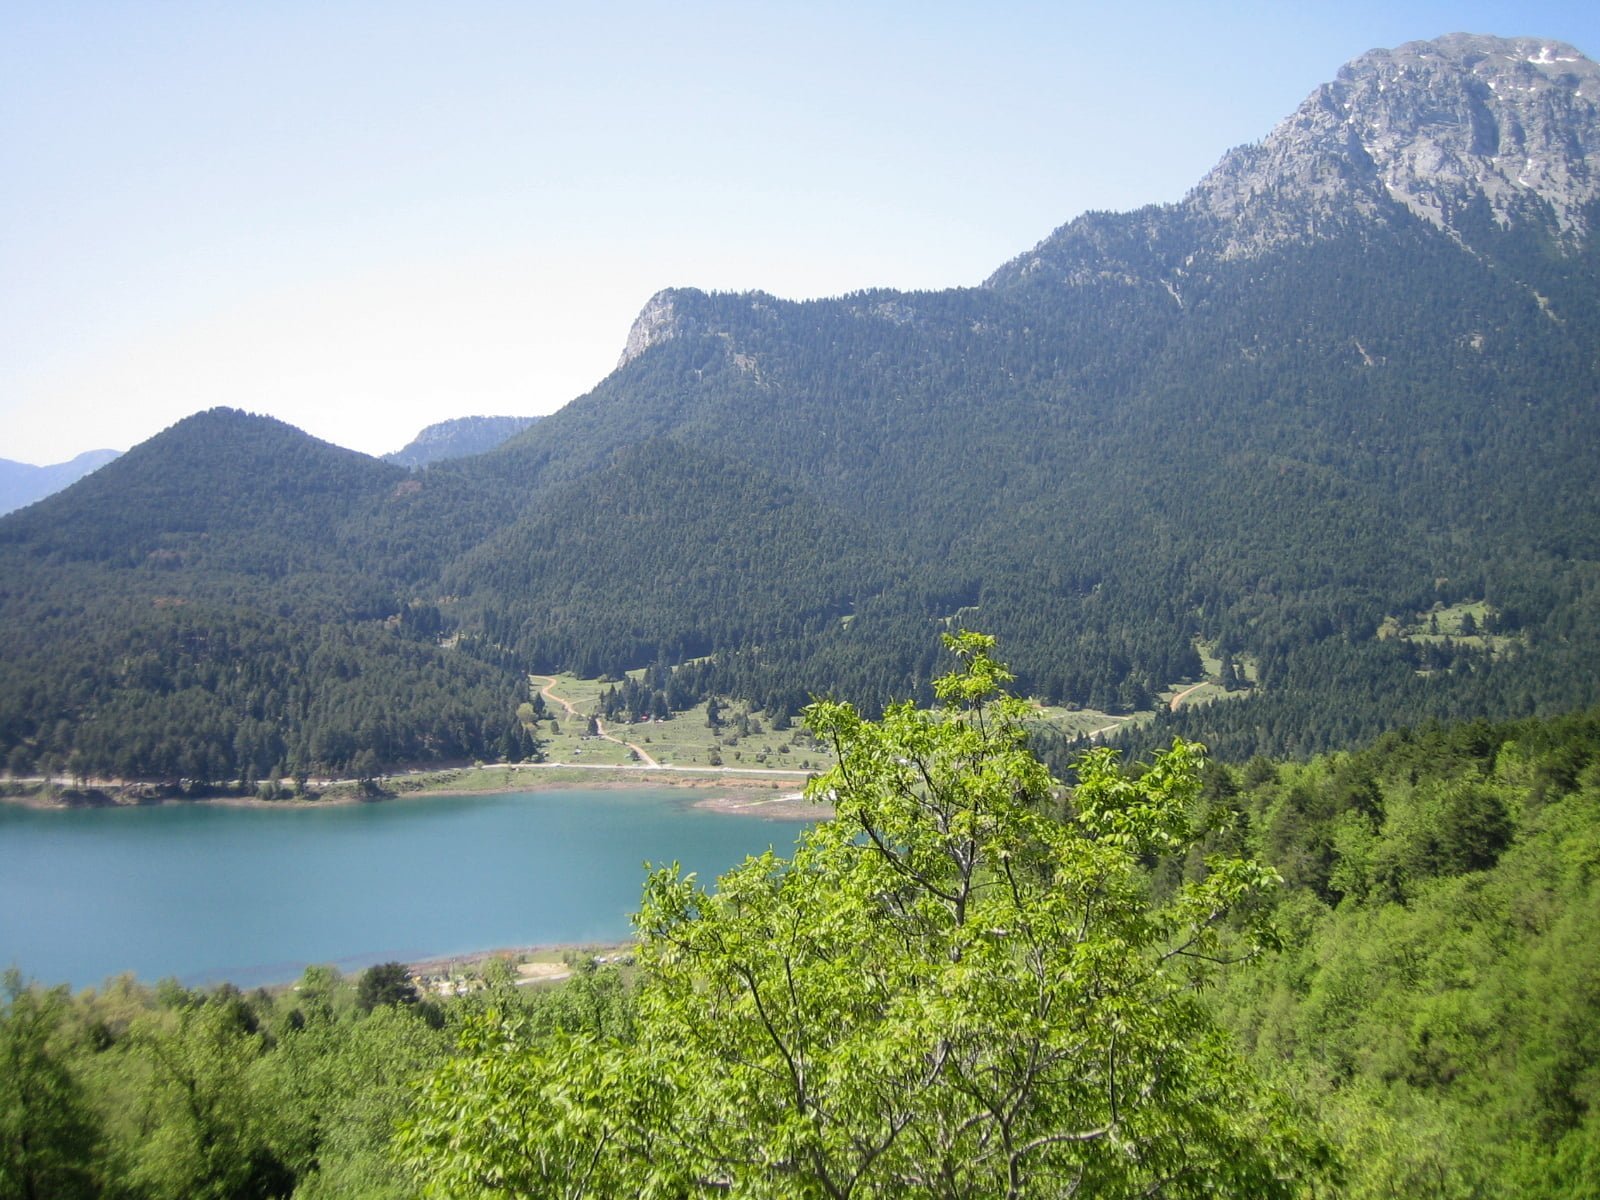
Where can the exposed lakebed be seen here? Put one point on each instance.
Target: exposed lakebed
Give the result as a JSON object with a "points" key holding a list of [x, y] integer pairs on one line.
{"points": [[251, 894]]}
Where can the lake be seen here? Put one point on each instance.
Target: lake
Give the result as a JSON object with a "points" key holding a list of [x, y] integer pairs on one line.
{"points": [[206, 892]]}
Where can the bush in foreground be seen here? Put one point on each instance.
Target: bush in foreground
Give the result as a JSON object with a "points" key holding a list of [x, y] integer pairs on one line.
{"points": [[947, 991]]}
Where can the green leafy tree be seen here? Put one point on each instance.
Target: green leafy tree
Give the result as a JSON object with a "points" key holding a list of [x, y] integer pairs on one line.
{"points": [[346, 1084], [49, 1136], [945, 992], [385, 983], [212, 1123]]}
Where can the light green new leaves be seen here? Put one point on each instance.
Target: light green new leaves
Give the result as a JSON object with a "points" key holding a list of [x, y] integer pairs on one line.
{"points": [[48, 1133], [945, 992]]}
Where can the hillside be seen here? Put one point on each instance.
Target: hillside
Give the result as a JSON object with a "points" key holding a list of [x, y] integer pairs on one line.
{"points": [[211, 606], [1435, 999], [23, 483], [1347, 384], [457, 438]]}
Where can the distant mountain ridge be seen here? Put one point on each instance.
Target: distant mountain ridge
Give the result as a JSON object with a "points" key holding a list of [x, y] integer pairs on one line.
{"points": [[1465, 132], [459, 437], [23, 483], [1349, 380], [1443, 127]]}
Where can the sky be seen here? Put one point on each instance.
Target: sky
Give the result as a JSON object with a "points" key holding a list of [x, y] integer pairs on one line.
{"points": [[362, 218]]}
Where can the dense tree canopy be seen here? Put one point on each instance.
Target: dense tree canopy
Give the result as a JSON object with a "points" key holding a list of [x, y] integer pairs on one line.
{"points": [[787, 500], [1438, 994], [947, 991], [1433, 1006]]}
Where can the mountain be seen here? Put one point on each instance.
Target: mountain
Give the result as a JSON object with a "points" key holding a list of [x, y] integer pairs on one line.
{"points": [[1453, 131], [457, 438], [1292, 430], [1476, 136], [23, 483], [215, 605], [260, 480]]}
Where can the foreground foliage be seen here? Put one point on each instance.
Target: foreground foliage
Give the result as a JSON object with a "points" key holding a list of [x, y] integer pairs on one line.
{"points": [[1438, 997], [169, 1094], [897, 1018], [948, 991]]}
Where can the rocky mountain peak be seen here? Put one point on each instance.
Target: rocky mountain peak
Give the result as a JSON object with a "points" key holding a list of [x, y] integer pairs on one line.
{"points": [[661, 319], [1437, 126], [1456, 131]]}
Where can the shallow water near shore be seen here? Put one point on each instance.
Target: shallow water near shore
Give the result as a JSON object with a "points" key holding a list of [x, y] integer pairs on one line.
{"points": [[206, 893]]}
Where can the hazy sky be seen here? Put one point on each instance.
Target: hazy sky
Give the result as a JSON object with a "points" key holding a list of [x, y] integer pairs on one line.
{"points": [[364, 218]]}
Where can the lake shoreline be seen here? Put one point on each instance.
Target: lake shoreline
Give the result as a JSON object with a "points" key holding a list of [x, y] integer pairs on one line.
{"points": [[538, 964], [746, 793], [250, 892]]}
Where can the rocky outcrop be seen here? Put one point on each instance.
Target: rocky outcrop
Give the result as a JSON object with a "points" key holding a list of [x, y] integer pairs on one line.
{"points": [[1456, 131], [1441, 128], [661, 319]]}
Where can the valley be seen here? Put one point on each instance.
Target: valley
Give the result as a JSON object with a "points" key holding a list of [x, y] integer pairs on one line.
{"points": [[1187, 642], [806, 529]]}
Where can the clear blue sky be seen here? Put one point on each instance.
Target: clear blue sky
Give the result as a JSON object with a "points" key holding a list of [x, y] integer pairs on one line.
{"points": [[366, 217]]}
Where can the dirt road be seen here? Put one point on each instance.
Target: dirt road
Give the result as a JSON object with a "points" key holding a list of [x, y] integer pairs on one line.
{"points": [[548, 692]]}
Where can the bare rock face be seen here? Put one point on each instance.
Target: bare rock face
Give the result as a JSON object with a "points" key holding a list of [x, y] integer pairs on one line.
{"points": [[1460, 131], [661, 319], [1439, 127]]}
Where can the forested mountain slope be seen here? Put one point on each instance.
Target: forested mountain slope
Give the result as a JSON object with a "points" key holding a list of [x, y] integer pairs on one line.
{"points": [[457, 438], [212, 606], [1437, 994], [1351, 378]]}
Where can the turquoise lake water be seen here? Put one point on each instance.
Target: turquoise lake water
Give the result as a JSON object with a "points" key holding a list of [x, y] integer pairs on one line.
{"points": [[206, 893]]}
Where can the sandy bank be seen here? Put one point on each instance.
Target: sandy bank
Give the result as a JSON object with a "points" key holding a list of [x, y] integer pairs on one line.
{"points": [[736, 791]]}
